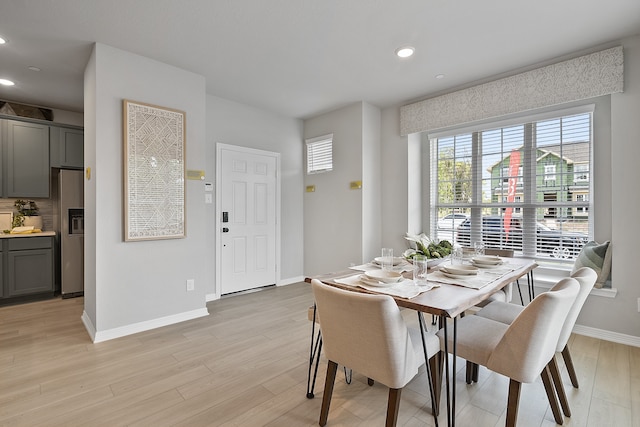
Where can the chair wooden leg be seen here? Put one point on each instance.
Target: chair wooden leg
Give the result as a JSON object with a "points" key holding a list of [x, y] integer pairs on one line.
{"points": [[469, 372], [474, 373], [393, 406], [557, 381], [332, 368], [551, 395], [569, 363], [512, 402]]}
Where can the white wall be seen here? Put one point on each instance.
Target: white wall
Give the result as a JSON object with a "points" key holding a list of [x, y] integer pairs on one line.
{"points": [[139, 285], [398, 170], [229, 122], [371, 182]]}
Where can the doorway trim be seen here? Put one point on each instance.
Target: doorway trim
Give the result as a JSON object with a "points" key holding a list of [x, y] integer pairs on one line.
{"points": [[218, 215]]}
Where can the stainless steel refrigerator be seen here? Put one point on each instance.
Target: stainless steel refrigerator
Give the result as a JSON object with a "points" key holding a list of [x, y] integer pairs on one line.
{"points": [[71, 227]]}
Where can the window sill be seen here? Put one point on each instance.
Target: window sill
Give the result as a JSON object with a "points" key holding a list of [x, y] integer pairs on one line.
{"points": [[545, 276]]}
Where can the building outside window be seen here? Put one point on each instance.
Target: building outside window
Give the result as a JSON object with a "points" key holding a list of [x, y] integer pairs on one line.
{"points": [[525, 185]]}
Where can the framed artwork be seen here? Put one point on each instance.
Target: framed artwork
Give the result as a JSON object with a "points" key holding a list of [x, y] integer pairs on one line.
{"points": [[154, 172]]}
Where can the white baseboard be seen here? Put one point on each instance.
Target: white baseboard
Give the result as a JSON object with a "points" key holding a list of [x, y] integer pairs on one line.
{"points": [[99, 336], [211, 297], [607, 335], [290, 281], [88, 325]]}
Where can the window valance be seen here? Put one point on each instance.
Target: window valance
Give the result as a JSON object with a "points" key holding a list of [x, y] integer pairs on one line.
{"points": [[588, 76]]}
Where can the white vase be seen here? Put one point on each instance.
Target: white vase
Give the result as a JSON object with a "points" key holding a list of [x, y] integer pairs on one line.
{"points": [[36, 221]]}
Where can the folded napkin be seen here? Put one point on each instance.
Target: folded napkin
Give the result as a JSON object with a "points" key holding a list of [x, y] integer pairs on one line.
{"points": [[404, 289], [484, 277]]}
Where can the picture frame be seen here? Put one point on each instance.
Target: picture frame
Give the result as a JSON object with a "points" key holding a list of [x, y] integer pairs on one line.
{"points": [[154, 172]]}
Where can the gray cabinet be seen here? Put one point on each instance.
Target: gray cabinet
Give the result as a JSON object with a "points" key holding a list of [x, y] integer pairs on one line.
{"points": [[25, 159], [66, 148], [28, 263]]}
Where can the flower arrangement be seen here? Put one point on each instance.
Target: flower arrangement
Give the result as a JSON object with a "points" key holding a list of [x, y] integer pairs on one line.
{"points": [[424, 245], [25, 208]]}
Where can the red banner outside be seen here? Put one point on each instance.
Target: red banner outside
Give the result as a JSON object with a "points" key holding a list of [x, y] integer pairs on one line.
{"points": [[514, 166]]}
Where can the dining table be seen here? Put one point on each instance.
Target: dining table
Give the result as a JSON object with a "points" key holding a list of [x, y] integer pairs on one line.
{"points": [[447, 296]]}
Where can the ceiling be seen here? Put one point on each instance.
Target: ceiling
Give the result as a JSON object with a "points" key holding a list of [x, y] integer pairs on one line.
{"points": [[300, 58]]}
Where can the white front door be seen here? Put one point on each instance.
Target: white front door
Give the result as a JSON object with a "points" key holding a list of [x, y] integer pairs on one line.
{"points": [[246, 218]]}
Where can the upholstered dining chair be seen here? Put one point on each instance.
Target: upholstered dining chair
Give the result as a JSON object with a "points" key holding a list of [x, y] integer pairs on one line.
{"points": [[368, 334], [523, 349], [507, 313]]}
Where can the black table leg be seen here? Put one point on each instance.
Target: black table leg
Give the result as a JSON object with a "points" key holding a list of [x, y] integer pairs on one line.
{"points": [[430, 376], [314, 356]]}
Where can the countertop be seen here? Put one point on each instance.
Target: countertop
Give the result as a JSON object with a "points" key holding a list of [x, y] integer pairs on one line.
{"points": [[40, 234]]}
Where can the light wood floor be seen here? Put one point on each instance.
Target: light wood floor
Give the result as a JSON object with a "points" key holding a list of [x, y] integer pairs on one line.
{"points": [[246, 365]]}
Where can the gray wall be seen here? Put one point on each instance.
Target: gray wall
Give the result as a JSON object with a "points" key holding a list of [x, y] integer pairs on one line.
{"points": [[342, 226], [129, 286], [232, 123]]}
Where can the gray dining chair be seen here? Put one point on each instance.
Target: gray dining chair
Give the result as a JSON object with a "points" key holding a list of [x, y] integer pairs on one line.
{"points": [[523, 349], [368, 334]]}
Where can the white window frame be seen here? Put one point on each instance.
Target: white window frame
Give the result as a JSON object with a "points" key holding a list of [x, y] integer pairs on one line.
{"points": [[530, 205], [319, 154]]}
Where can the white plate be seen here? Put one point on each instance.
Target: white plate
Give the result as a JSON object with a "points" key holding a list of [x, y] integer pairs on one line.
{"points": [[396, 260], [480, 265], [383, 276], [377, 284], [486, 259], [461, 270], [454, 276]]}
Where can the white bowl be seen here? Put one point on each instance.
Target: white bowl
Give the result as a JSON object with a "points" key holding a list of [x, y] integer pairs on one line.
{"points": [[383, 276], [460, 270]]}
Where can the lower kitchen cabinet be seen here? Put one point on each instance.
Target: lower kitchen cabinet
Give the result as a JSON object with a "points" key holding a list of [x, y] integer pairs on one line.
{"points": [[27, 266]]}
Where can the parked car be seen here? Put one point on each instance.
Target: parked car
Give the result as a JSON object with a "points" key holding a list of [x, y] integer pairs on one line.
{"points": [[451, 221], [556, 243]]}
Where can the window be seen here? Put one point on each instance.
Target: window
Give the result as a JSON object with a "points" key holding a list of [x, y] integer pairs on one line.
{"points": [[581, 172], [550, 172], [320, 154], [524, 184]]}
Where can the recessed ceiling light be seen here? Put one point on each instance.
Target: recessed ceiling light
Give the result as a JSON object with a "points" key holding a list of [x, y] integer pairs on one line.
{"points": [[32, 68], [2, 40], [6, 82], [405, 52], [439, 76]]}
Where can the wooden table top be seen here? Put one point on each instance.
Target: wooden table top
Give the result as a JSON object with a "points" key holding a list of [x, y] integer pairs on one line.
{"points": [[448, 300]]}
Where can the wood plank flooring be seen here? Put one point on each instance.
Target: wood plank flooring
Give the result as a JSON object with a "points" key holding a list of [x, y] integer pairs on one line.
{"points": [[246, 365]]}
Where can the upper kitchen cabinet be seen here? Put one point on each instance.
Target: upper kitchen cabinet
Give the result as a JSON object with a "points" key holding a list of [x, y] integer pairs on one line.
{"points": [[67, 148], [25, 159]]}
